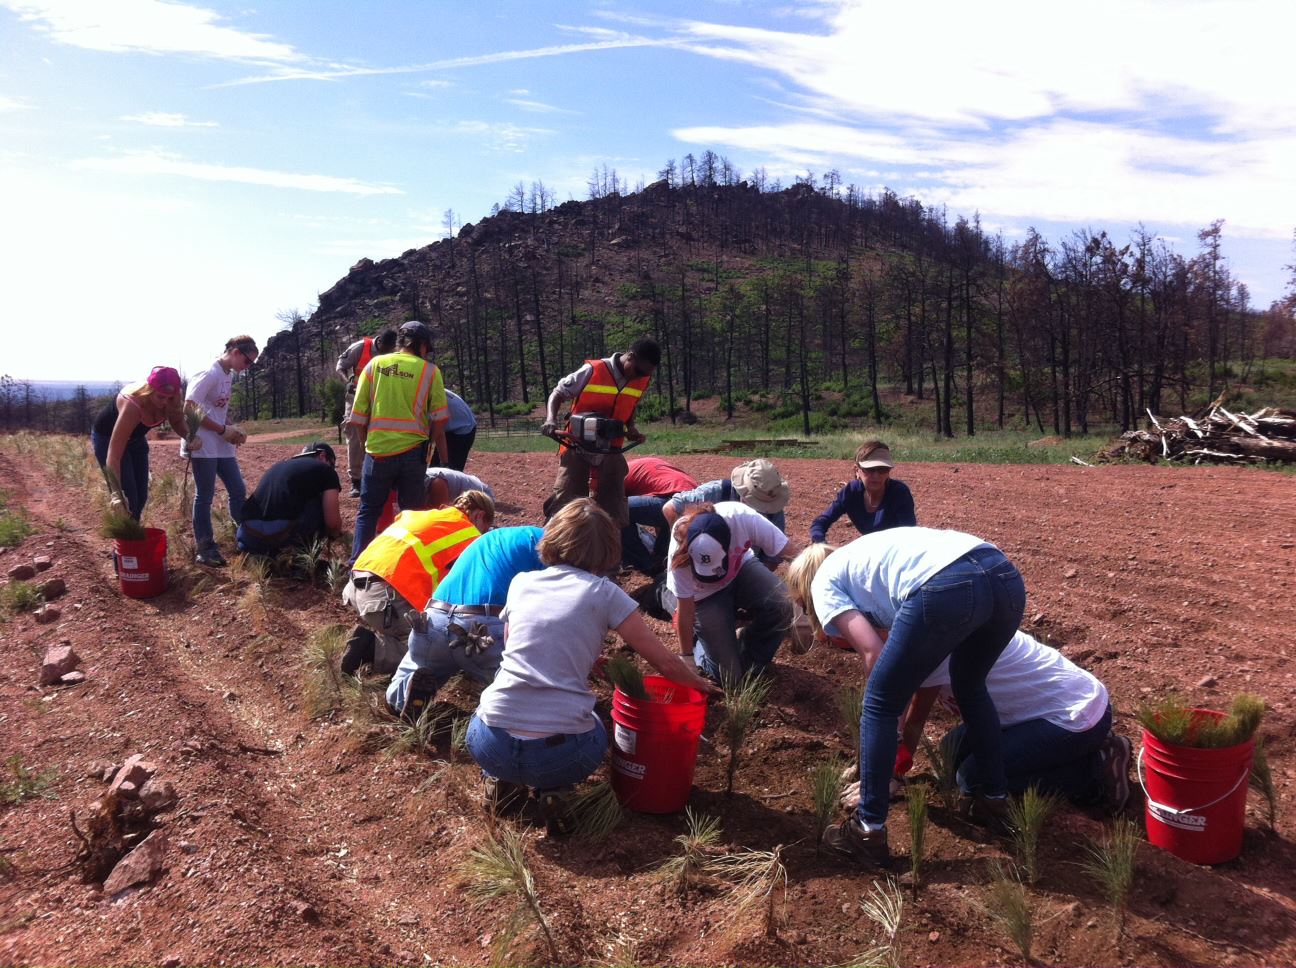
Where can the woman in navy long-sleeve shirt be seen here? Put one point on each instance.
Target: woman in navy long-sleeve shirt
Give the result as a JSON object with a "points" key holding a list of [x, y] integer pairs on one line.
{"points": [[873, 501]]}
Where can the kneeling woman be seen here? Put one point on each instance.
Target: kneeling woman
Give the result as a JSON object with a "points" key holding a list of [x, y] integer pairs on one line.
{"points": [[535, 725], [942, 595]]}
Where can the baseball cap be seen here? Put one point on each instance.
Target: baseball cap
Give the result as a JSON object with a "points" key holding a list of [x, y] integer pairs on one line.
{"points": [[416, 329], [879, 458], [318, 447], [708, 543], [164, 378], [760, 486]]}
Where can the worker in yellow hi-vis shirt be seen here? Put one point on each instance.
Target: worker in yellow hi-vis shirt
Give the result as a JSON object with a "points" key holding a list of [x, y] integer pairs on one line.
{"points": [[400, 405]]}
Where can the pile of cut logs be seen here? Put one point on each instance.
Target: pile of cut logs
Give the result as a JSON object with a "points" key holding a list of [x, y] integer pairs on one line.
{"points": [[1213, 436]]}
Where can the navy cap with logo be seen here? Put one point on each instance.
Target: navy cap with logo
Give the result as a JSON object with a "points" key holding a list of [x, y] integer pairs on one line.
{"points": [[318, 447], [708, 543]]}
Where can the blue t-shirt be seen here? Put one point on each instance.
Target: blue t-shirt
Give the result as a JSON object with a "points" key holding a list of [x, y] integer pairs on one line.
{"points": [[482, 574], [896, 510], [462, 420]]}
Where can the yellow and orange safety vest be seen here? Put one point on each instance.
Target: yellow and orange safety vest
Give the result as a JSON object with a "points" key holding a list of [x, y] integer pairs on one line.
{"points": [[603, 397], [416, 551]]}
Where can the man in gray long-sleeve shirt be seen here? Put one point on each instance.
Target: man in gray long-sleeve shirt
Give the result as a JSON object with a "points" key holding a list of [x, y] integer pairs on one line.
{"points": [[354, 359]]}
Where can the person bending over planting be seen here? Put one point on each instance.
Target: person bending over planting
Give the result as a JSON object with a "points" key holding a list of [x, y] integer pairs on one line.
{"points": [[943, 595], [535, 725], [715, 578], [120, 434], [874, 500], [464, 630], [395, 576], [649, 483]]}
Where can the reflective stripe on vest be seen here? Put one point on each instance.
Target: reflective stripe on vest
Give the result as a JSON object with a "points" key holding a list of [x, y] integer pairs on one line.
{"points": [[398, 417], [603, 397], [414, 553]]}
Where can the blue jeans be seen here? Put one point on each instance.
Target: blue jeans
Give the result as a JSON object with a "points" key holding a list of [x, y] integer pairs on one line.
{"points": [[1043, 755], [432, 651], [546, 763], [646, 510], [269, 537], [968, 611], [402, 472], [205, 472], [134, 470]]}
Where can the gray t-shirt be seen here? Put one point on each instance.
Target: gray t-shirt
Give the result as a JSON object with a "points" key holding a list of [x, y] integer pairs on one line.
{"points": [[458, 481], [556, 621]]}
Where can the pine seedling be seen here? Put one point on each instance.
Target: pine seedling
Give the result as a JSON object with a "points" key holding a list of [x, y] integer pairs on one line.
{"points": [[306, 560], [324, 680], [687, 868], [758, 878], [627, 677], [420, 735], [1112, 864], [1027, 818], [917, 796], [598, 811], [459, 735], [1008, 902], [498, 869], [1262, 782], [850, 709], [943, 757], [884, 906], [825, 786], [336, 574], [743, 700]]}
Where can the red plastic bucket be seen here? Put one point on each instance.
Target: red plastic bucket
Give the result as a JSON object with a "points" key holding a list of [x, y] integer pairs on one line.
{"points": [[654, 748], [1196, 798], [141, 565]]}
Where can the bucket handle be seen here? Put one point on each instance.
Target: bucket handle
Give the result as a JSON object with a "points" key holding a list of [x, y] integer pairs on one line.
{"points": [[1180, 811]]}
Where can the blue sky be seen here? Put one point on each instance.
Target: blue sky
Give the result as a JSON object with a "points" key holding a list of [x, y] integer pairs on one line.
{"points": [[174, 173]]}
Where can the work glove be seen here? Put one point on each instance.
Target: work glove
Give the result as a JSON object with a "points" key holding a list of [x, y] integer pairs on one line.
{"points": [[117, 506], [193, 445], [234, 434], [549, 428]]}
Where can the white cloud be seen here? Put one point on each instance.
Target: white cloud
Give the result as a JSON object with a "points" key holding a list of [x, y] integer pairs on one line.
{"points": [[8, 104], [536, 107], [501, 136], [154, 26], [162, 119], [520, 92], [158, 163]]}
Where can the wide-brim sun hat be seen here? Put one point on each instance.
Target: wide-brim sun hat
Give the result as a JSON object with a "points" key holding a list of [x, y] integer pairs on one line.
{"points": [[760, 486]]}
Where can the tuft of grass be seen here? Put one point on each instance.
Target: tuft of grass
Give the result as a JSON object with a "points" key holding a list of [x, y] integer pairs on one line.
{"points": [[1008, 902], [943, 757], [697, 844], [23, 783], [850, 708], [884, 906], [1112, 863], [597, 811], [917, 796], [20, 596], [1172, 720], [1262, 782], [498, 869], [825, 787], [14, 528], [1027, 817], [759, 879], [60, 524], [325, 683], [420, 735], [743, 701], [625, 674], [459, 735]]}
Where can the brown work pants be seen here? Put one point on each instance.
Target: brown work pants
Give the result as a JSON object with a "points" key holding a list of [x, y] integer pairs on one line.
{"points": [[574, 476]]}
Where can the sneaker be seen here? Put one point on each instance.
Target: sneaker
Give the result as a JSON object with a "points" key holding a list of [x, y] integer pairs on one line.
{"points": [[556, 811], [359, 651], [503, 798], [1115, 755], [649, 598], [418, 693], [355, 489], [850, 839], [210, 555], [989, 812]]}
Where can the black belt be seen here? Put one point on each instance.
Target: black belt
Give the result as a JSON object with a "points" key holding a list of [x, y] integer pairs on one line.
{"points": [[365, 579], [490, 610]]}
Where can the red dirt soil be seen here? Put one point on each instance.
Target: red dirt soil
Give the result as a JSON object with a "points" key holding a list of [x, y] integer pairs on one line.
{"points": [[1154, 578]]}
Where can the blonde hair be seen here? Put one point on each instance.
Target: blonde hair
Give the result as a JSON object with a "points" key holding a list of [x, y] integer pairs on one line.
{"points": [[582, 535], [470, 501], [800, 576]]}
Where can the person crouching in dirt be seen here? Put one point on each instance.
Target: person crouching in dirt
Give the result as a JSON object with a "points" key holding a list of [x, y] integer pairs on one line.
{"points": [[649, 483], [464, 631], [535, 725], [610, 388], [874, 500], [349, 367], [715, 579], [757, 484], [1056, 722], [396, 574], [294, 504], [943, 595], [443, 488]]}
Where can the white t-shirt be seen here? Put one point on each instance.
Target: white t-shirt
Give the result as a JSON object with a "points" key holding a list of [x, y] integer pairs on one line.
{"points": [[1033, 681], [556, 621], [875, 573], [211, 391], [747, 529]]}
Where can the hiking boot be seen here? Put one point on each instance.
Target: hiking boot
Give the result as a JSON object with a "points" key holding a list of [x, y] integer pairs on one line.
{"points": [[988, 812], [359, 651], [1115, 754], [210, 555], [418, 693], [850, 839], [556, 811], [503, 798], [355, 489]]}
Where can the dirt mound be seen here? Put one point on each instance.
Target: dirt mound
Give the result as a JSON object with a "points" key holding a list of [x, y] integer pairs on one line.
{"points": [[294, 841]]}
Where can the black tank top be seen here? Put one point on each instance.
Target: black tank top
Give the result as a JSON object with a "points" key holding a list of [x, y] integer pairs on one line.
{"points": [[107, 419]]}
